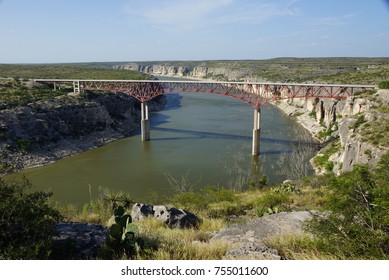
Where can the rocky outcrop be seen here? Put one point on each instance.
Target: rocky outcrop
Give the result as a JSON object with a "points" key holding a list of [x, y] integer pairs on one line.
{"points": [[355, 148], [177, 70], [329, 119], [252, 252], [78, 241], [251, 236], [315, 115], [44, 132], [260, 229], [172, 217]]}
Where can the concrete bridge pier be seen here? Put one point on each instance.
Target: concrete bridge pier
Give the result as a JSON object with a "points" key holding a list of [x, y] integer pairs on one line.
{"points": [[145, 124], [76, 87], [256, 132]]}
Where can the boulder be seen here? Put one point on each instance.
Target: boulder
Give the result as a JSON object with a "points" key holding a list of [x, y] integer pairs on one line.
{"points": [[172, 217], [162, 213], [179, 218], [140, 211], [258, 230]]}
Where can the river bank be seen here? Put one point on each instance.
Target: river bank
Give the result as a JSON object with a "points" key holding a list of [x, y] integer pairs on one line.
{"points": [[44, 132]]}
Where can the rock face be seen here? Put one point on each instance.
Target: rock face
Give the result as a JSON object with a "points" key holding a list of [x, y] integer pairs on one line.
{"points": [[201, 72], [172, 217], [252, 252], [354, 149], [43, 132], [252, 235], [78, 241], [258, 230], [339, 116]]}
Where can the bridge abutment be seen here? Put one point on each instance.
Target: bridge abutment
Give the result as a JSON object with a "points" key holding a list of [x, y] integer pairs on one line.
{"points": [[256, 132], [145, 124]]}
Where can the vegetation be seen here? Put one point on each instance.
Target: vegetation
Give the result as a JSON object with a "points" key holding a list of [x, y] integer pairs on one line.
{"points": [[383, 85], [121, 234], [351, 221], [322, 160], [341, 70], [376, 131], [359, 121], [328, 131], [68, 71], [19, 91], [27, 222], [355, 225]]}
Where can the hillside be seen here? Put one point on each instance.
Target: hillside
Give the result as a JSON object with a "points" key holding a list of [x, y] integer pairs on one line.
{"points": [[345, 70]]}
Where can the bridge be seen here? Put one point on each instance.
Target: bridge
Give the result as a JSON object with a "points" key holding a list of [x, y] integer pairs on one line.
{"points": [[254, 94]]}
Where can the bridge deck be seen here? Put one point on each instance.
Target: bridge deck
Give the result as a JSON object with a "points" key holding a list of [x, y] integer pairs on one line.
{"points": [[252, 93], [202, 82]]}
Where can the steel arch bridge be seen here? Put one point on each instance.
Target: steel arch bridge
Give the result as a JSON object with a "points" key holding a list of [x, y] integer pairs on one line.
{"points": [[254, 94]]}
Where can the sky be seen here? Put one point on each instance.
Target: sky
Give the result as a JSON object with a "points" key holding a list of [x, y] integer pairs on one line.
{"points": [[62, 31]]}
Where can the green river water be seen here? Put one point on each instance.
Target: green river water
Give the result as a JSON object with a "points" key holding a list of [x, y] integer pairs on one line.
{"points": [[201, 139]]}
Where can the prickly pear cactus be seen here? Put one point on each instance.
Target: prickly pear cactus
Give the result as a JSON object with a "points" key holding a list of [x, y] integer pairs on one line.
{"points": [[121, 235]]}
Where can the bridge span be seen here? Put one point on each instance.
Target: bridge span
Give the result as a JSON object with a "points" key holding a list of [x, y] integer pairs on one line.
{"points": [[254, 94]]}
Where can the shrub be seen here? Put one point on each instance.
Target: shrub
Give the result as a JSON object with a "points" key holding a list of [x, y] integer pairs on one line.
{"points": [[27, 222], [329, 166], [199, 201], [355, 224], [272, 203], [383, 85], [359, 121]]}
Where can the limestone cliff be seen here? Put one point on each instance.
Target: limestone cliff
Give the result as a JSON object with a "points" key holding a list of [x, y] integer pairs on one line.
{"points": [[177, 70], [363, 132], [353, 131], [43, 132]]}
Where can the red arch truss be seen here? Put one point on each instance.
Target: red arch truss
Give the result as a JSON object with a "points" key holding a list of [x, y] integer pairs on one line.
{"points": [[253, 94]]}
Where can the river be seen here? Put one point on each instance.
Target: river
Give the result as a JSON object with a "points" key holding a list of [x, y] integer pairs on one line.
{"points": [[197, 139]]}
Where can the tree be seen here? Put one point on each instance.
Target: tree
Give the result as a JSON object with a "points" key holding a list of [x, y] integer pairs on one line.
{"points": [[356, 223], [27, 222]]}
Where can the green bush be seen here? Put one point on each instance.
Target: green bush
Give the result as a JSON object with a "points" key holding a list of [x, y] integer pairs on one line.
{"points": [[198, 201], [329, 166], [27, 222], [361, 120], [272, 202], [355, 224], [383, 85], [224, 210]]}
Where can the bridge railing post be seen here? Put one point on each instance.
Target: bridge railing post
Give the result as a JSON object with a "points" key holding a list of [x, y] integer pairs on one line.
{"points": [[256, 132], [145, 124]]}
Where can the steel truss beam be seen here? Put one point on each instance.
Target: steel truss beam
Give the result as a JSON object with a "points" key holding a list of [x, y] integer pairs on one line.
{"points": [[253, 94]]}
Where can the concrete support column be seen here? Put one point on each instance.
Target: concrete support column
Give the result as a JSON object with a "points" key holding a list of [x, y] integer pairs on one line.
{"points": [[145, 124], [256, 132], [76, 87], [55, 86]]}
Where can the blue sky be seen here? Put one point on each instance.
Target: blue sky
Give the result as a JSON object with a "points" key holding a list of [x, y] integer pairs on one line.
{"points": [[50, 31]]}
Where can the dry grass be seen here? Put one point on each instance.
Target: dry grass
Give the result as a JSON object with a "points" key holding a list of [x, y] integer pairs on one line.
{"points": [[179, 244], [298, 247], [158, 242]]}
